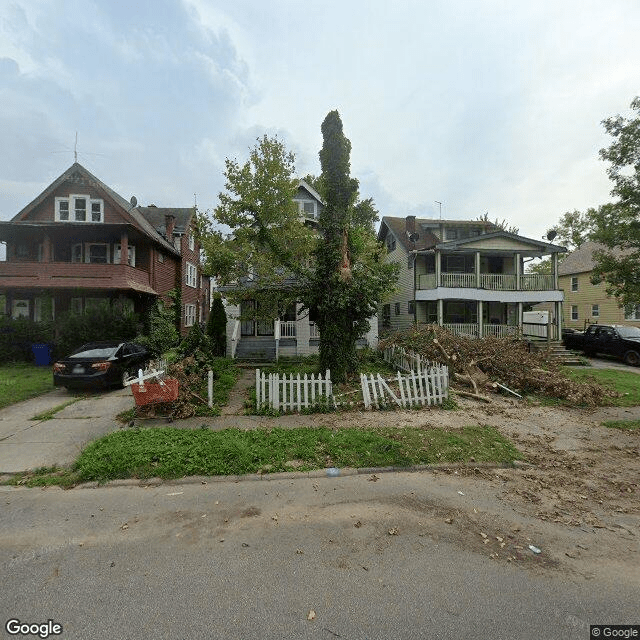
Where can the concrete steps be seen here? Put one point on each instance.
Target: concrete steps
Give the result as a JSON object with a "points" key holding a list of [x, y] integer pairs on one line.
{"points": [[558, 352], [256, 349]]}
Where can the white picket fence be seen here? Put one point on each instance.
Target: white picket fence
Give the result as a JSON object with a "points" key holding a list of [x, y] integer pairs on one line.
{"points": [[425, 387], [406, 360], [288, 393]]}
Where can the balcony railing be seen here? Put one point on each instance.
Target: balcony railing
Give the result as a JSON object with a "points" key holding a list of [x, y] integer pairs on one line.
{"points": [[74, 275], [314, 333], [492, 281], [287, 329]]}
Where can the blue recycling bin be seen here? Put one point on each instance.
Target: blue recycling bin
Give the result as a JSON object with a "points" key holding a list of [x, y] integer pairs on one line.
{"points": [[42, 354]]}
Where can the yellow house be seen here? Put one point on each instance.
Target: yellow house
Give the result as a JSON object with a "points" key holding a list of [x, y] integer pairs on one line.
{"points": [[584, 302]]}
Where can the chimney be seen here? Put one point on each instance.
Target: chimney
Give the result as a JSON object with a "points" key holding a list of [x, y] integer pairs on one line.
{"points": [[169, 223], [410, 222]]}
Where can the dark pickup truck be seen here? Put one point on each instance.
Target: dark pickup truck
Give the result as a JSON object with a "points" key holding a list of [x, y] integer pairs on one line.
{"points": [[615, 340]]}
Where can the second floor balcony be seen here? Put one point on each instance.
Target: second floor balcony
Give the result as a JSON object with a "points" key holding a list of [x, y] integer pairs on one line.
{"points": [[80, 275], [491, 281]]}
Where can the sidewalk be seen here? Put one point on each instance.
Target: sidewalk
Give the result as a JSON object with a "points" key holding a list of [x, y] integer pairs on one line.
{"points": [[28, 444]]}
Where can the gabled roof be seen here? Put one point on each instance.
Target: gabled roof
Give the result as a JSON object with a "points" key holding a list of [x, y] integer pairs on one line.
{"points": [[397, 226], [536, 245], [312, 192], [582, 260], [156, 216], [133, 213]]}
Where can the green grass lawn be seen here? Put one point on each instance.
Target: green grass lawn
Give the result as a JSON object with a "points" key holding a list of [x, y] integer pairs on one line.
{"points": [[626, 425], [624, 382], [169, 452], [20, 381]]}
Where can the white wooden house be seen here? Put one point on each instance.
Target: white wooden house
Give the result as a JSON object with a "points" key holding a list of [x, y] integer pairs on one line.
{"points": [[294, 333], [467, 276]]}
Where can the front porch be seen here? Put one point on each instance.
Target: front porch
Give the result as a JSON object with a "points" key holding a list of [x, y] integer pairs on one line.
{"points": [[478, 318]]}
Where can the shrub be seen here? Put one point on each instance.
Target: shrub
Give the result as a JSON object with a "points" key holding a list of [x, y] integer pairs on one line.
{"points": [[196, 344], [161, 334], [217, 326], [17, 336], [100, 322]]}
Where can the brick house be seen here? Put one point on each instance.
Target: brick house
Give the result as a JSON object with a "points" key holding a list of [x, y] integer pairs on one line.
{"points": [[79, 243]]}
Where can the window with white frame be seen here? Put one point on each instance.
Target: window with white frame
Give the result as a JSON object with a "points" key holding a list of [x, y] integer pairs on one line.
{"points": [[307, 208], [595, 310], [632, 312], [191, 275], [574, 283], [189, 315], [131, 257], [192, 242], [79, 208], [574, 312]]}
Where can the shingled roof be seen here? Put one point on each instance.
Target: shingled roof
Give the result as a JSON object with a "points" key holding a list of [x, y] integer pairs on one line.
{"points": [[157, 217], [581, 260], [398, 226]]}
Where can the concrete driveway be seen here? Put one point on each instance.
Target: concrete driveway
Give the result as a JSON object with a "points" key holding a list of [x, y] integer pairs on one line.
{"points": [[27, 444]]}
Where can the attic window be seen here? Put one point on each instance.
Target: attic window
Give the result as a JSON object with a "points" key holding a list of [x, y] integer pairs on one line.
{"points": [[79, 208], [391, 243]]}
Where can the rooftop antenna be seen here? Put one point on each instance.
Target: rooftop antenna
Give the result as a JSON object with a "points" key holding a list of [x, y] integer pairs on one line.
{"points": [[195, 200], [75, 149], [440, 203]]}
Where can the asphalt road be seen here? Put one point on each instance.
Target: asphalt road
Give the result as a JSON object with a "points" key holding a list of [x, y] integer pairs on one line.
{"points": [[371, 559]]}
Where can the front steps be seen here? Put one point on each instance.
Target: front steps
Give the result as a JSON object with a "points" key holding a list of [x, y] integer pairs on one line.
{"points": [[256, 348], [558, 352]]}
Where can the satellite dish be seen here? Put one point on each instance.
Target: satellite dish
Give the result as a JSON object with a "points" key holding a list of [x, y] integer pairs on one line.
{"points": [[134, 202], [414, 236], [551, 235]]}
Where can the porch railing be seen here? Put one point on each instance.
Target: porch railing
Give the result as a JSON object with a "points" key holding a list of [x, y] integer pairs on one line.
{"points": [[314, 333], [499, 330], [466, 280], [287, 329], [536, 282], [498, 281], [493, 281], [463, 329]]}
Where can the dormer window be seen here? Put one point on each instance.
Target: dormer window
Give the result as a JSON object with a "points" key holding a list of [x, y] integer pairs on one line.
{"points": [[307, 208], [79, 208]]}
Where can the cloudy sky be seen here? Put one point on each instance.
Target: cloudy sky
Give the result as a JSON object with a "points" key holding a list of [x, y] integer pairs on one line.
{"points": [[484, 105]]}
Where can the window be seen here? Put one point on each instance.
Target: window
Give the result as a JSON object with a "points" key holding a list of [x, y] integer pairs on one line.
{"points": [[386, 314], [191, 275], [391, 243], [79, 208], [131, 258], [76, 253], [97, 253], [451, 234], [411, 307], [397, 308], [177, 243], [160, 256], [574, 311], [632, 312], [192, 242], [574, 283], [595, 311], [43, 309], [20, 309], [411, 258], [189, 315]]}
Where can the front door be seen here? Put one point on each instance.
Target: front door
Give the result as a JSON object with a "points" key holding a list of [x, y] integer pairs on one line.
{"points": [[250, 325]]}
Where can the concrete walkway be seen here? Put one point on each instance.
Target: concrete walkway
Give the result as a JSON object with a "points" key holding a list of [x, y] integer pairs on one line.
{"points": [[27, 444]]}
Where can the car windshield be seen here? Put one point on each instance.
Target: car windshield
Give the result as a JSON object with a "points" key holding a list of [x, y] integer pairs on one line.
{"points": [[629, 332], [94, 352]]}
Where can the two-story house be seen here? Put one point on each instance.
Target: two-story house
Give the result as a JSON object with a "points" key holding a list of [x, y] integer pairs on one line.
{"points": [[467, 276], [585, 302], [294, 332], [80, 243]]}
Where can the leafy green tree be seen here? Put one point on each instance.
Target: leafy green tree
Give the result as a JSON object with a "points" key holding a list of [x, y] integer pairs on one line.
{"points": [[617, 224], [161, 334]]}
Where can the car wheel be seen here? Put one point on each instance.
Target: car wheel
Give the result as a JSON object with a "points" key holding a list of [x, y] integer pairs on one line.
{"points": [[125, 376], [632, 358]]}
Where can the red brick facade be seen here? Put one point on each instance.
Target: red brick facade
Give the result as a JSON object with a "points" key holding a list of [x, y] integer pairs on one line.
{"points": [[96, 246]]}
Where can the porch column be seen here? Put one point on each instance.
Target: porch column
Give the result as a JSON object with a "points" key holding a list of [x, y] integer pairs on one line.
{"points": [[478, 284], [555, 270], [438, 269], [480, 309], [518, 272], [303, 331], [46, 249], [559, 319], [124, 248], [520, 307], [440, 312]]}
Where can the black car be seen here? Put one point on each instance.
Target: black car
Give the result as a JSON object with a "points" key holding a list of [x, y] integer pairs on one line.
{"points": [[102, 364]]}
